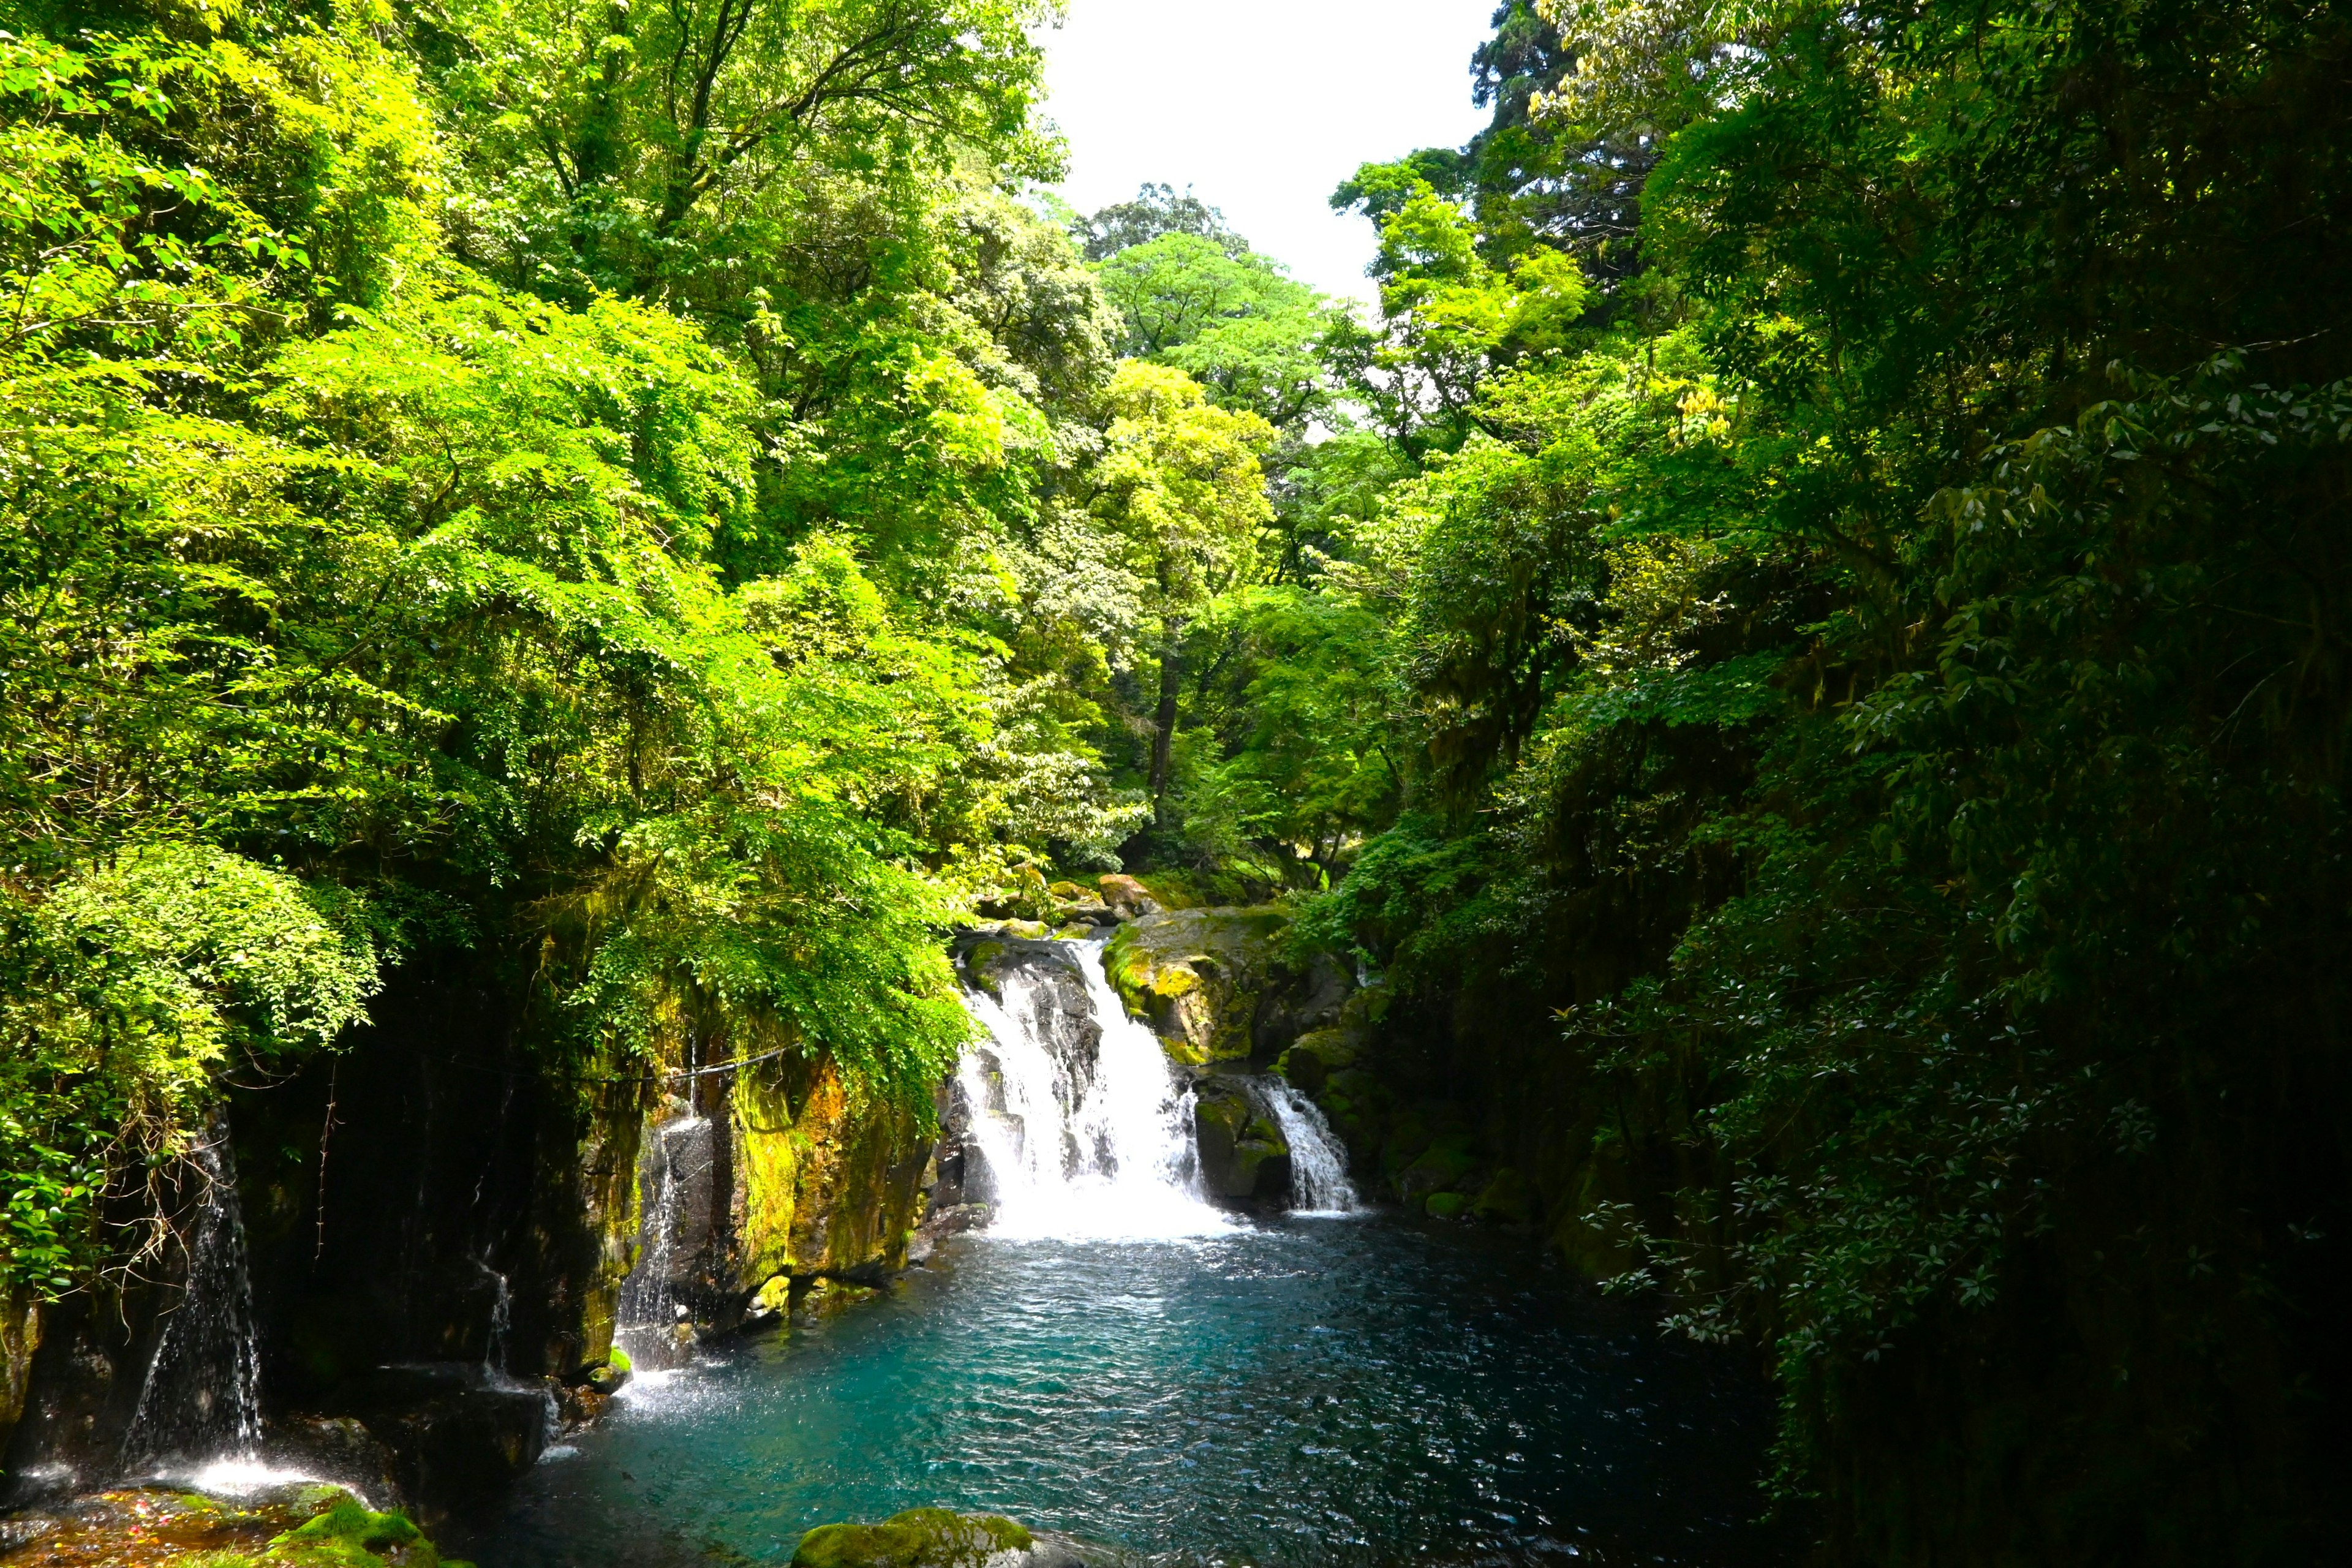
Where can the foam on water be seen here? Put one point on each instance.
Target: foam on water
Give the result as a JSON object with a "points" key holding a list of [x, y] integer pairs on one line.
{"points": [[237, 1479]]}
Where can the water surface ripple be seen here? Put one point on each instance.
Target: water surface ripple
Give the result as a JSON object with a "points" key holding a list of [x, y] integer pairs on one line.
{"points": [[1301, 1393]]}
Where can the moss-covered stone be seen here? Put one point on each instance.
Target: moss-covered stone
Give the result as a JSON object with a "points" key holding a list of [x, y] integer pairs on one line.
{"points": [[1443, 1165], [349, 1534], [1203, 978], [1243, 1154], [1505, 1200], [308, 1526], [1315, 1054], [979, 966], [20, 1336], [920, 1538], [822, 1185]]}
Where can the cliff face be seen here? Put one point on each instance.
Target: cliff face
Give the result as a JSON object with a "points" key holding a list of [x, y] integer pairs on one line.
{"points": [[438, 1223]]}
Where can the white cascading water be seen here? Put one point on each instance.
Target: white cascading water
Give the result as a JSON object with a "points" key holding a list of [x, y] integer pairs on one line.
{"points": [[1079, 1144], [198, 1419], [202, 1395], [646, 1322], [1318, 1165]]}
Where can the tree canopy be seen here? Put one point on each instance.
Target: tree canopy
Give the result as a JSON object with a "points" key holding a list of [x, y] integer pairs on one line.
{"points": [[1810, 599]]}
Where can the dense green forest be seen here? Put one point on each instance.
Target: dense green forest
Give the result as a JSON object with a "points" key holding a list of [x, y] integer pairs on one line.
{"points": [[1810, 608]]}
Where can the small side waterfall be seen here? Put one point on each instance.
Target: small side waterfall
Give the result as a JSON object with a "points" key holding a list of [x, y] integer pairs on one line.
{"points": [[202, 1395], [1318, 1164], [650, 1311], [494, 1346], [1083, 1128]]}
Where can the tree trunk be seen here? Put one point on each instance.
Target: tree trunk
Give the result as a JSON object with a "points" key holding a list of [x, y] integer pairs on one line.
{"points": [[1163, 732]]}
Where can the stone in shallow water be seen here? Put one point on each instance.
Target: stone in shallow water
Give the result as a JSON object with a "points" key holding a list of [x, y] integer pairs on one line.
{"points": [[940, 1538], [919, 1538]]}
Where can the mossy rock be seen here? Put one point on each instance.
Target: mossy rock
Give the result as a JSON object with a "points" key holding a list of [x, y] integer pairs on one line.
{"points": [[1316, 1055], [1445, 1205], [1442, 1165], [1409, 1134], [350, 1535], [311, 1525], [1196, 976], [919, 1538], [1242, 1152], [1506, 1200]]}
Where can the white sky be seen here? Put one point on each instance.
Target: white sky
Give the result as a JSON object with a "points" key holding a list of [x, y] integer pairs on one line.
{"points": [[1262, 106]]}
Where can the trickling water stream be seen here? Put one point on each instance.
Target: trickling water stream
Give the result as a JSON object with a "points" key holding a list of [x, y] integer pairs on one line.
{"points": [[202, 1395], [1318, 1165], [649, 1310]]}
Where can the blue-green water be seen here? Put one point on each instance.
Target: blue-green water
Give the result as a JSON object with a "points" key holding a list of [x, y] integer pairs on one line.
{"points": [[1299, 1392]]}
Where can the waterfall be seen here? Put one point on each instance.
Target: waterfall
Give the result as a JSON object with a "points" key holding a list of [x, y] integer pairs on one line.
{"points": [[649, 1313], [202, 1395], [1318, 1163], [1083, 1129], [494, 1347]]}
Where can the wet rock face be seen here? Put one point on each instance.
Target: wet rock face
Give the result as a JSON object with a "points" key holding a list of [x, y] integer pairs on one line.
{"points": [[1056, 991], [1243, 1158], [121, 1380], [1060, 1009], [769, 1180], [459, 1434], [20, 1336], [444, 1193]]}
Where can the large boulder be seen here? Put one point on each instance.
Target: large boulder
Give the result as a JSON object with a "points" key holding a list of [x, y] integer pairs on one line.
{"points": [[1219, 985], [939, 1538], [1243, 1159], [919, 1538], [1127, 898]]}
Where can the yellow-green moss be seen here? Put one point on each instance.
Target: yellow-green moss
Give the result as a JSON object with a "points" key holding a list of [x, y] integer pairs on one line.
{"points": [[349, 1535], [920, 1538], [768, 1155]]}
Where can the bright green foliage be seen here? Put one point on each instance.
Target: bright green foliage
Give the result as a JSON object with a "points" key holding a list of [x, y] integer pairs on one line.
{"points": [[354, 597], [655, 152], [1453, 319], [1235, 323], [1870, 673], [126, 989], [1180, 490], [1155, 211], [1320, 753]]}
